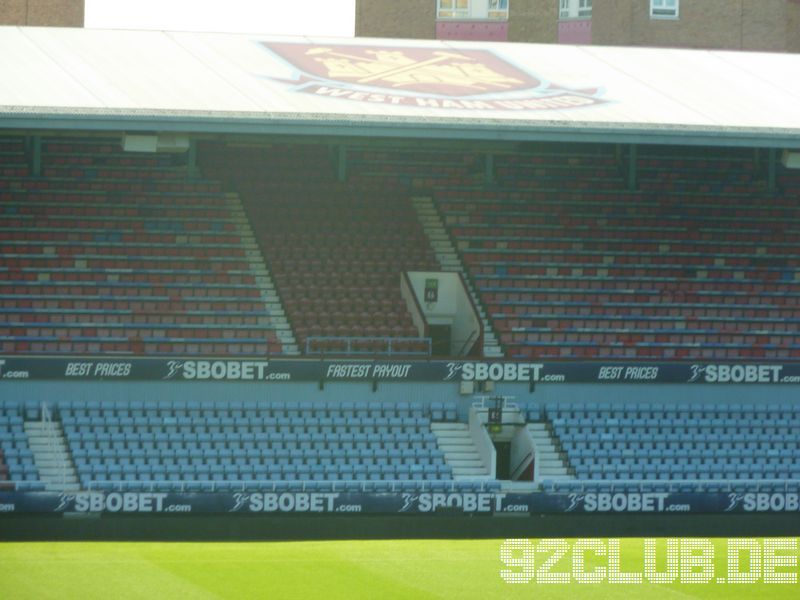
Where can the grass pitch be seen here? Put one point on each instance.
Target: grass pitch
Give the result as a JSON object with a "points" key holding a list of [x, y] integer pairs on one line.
{"points": [[337, 569]]}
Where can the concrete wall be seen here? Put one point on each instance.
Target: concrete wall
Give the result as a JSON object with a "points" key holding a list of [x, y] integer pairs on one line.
{"points": [[43, 13], [32, 393], [575, 31], [481, 31], [665, 394]]}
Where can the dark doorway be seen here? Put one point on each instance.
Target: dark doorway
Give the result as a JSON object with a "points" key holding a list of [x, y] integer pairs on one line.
{"points": [[440, 339], [503, 459]]}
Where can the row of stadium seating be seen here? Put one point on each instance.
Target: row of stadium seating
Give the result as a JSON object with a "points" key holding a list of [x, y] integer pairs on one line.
{"points": [[251, 444], [693, 441], [564, 254], [115, 252], [16, 458], [345, 243], [567, 260], [169, 445]]}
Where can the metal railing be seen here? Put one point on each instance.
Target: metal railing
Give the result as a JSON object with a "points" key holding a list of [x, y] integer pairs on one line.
{"points": [[523, 464], [465, 347], [50, 431], [450, 485], [366, 346], [672, 485], [269, 485]]}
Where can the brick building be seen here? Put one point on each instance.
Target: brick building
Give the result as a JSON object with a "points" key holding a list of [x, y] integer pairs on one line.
{"points": [[770, 25], [42, 13]]}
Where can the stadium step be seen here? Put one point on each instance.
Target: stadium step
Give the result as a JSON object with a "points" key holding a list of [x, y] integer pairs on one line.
{"points": [[263, 278], [51, 455], [448, 258], [459, 450], [550, 463]]}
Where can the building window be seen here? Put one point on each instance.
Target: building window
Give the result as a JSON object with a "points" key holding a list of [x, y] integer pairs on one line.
{"points": [[575, 9], [498, 9], [664, 9], [453, 9], [472, 9]]}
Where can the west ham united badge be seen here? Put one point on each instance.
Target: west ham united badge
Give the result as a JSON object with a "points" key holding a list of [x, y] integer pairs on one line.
{"points": [[465, 79]]}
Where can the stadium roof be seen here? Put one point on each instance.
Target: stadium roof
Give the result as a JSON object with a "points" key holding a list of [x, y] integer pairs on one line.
{"points": [[193, 82]]}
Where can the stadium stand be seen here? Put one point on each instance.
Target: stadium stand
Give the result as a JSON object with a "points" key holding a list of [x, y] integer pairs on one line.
{"points": [[116, 253], [187, 445], [677, 447], [242, 445], [109, 252], [336, 249], [567, 261], [570, 263]]}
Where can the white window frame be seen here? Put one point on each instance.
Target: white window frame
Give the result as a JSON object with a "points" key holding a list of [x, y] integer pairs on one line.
{"points": [[492, 10], [659, 9], [451, 11], [575, 9], [497, 10]]}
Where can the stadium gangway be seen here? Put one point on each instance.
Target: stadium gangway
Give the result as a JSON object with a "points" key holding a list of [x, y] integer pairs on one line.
{"points": [[349, 346], [670, 485], [297, 485]]}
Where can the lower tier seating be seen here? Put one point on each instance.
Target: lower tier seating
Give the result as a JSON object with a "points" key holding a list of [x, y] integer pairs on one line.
{"points": [[187, 445], [681, 446], [16, 459]]}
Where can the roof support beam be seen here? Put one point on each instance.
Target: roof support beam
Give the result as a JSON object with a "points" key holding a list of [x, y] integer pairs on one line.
{"points": [[212, 124], [191, 160], [341, 163], [488, 168], [772, 163], [33, 145], [633, 151]]}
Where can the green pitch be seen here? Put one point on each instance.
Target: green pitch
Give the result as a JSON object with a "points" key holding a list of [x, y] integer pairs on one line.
{"points": [[340, 569]]}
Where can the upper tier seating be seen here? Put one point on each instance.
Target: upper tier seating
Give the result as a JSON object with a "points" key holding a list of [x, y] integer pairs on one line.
{"points": [[112, 252], [336, 250], [700, 263]]}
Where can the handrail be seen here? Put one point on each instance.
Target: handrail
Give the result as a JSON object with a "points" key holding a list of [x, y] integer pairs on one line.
{"points": [[396, 485], [475, 310], [523, 464], [670, 484], [453, 484], [406, 288], [348, 342], [51, 443], [469, 341]]}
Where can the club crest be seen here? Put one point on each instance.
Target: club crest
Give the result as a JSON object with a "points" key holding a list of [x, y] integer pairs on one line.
{"points": [[435, 77]]}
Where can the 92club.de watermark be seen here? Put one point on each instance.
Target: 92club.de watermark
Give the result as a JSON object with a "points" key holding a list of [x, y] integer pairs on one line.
{"points": [[650, 560]]}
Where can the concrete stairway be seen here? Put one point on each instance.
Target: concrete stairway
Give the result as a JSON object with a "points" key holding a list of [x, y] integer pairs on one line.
{"points": [[459, 450], [258, 268], [551, 465], [449, 260], [51, 456]]}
